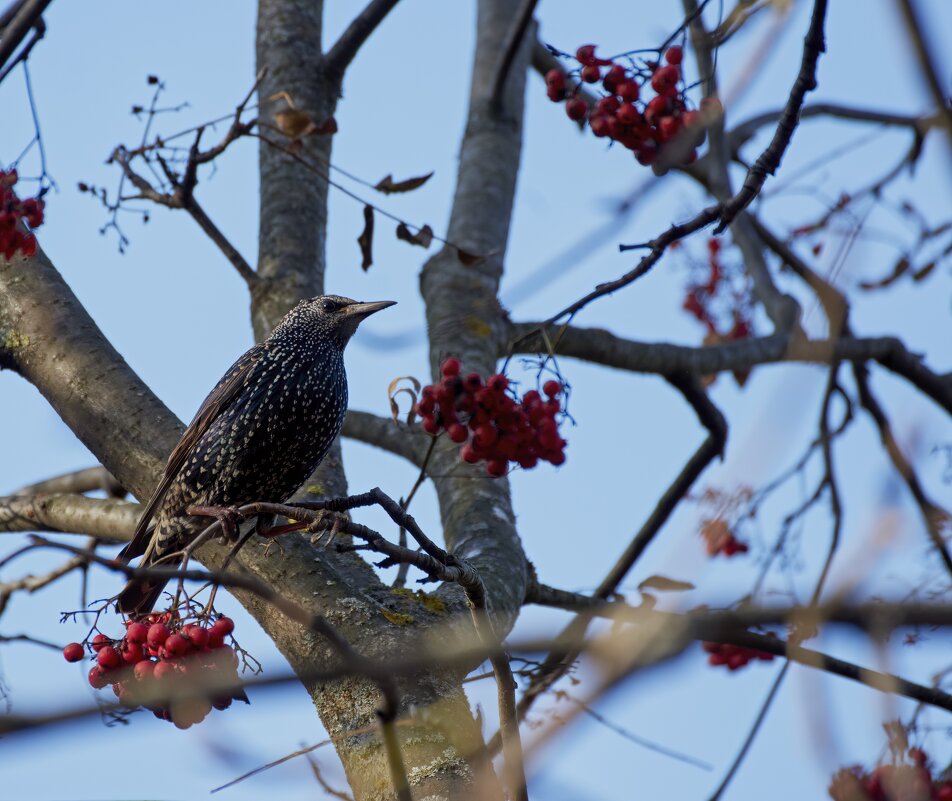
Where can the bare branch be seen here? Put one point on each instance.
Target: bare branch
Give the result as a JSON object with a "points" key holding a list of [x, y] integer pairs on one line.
{"points": [[602, 347], [517, 32], [79, 481], [345, 48], [26, 17], [769, 160], [111, 519], [927, 63], [387, 434]]}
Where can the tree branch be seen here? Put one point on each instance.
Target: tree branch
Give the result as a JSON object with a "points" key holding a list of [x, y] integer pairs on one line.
{"points": [[87, 480], [110, 519], [345, 48], [768, 161], [16, 29]]}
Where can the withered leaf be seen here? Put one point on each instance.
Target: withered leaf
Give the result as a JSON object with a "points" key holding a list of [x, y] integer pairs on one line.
{"points": [[389, 187], [395, 389], [366, 239], [423, 237], [469, 259], [293, 122], [664, 584]]}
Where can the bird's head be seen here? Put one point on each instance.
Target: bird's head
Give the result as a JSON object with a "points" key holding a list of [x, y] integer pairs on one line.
{"points": [[330, 316]]}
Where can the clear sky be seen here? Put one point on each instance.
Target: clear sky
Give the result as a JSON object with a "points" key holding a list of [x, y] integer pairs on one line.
{"points": [[178, 313]]}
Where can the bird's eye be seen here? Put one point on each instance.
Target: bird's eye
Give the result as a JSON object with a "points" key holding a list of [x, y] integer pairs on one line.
{"points": [[329, 305]]}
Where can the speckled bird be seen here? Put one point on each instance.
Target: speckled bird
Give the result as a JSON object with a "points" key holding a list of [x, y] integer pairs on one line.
{"points": [[258, 436]]}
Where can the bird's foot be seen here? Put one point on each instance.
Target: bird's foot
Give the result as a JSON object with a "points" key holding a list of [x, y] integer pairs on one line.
{"points": [[228, 517], [326, 527]]}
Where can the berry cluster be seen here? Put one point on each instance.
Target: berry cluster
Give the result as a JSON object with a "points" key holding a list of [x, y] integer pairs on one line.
{"points": [[701, 299], [504, 427], [733, 657], [625, 115], [719, 539], [908, 780], [12, 211], [158, 656]]}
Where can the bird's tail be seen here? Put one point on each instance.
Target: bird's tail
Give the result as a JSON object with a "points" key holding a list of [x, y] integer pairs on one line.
{"points": [[139, 596]]}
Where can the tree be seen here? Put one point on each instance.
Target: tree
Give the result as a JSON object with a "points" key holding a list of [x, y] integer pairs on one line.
{"points": [[332, 616]]}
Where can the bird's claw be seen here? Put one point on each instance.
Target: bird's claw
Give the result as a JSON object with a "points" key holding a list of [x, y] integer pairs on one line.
{"points": [[326, 527]]}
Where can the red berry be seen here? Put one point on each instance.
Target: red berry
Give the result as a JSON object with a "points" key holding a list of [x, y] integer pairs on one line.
{"points": [[665, 78], [108, 658], [944, 792], [647, 153], [468, 454], [177, 645], [197, 635], [137, 632], [599, 125], [163, 669], [555, 78], [628, 114], [576, 109], [591, 74], [73, 652], [496, 467], [132, 652], [498, 383], [457, 433], [450, 367], [675, 55], [614, 77], [430, 425], [100, 641], [216, 639], [225, 625], [628, 90], [97, 678], [158, 634], [586, 54], [144, 669], [669, 127], [552, 388], [554, 94], [607, 105]]}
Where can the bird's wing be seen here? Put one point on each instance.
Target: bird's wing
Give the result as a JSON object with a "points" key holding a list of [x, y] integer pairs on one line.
{"points": [[217, 401]]}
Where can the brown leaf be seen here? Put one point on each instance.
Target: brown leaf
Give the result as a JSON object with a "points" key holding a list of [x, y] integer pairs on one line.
{"points": [[395, 389], [423, 237], [664, 584], [366, 239], [293, 122], [469, 259], [389, 187], [715, 533], [296, 124]]}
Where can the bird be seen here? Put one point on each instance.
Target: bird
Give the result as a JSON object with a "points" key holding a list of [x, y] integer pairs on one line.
{"points": [[258, 436]]}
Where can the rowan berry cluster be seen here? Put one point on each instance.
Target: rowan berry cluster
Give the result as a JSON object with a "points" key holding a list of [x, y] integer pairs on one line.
{"points": [[733, 657], [490, 421], [625, 114], [702, 297], [12, 211], [910, 779], [159, 656]]}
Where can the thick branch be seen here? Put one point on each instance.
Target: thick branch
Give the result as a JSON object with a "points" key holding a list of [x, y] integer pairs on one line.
{"points": [[111, 519], [359, 30], [16, 29], [602, 347], [87, 480]]}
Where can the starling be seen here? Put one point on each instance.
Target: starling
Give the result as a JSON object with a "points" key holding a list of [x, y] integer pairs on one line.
{"points": [[258, 436]]}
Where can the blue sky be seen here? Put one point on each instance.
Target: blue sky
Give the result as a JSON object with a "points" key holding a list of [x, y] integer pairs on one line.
{"points": [[178, 313]]}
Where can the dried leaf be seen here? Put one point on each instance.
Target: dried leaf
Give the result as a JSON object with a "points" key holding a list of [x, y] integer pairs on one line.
{"points": [[469, 259], [293, 122], [423, 237], [664, 584], [296, 124], [394, 389], [366, 239], [389, 187], [715, 533]]}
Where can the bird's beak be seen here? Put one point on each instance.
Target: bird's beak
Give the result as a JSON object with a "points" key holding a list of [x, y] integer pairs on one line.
{"points": [[362, 310]]}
